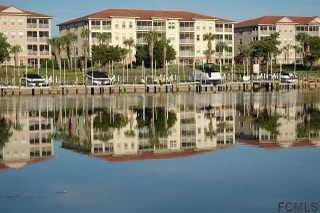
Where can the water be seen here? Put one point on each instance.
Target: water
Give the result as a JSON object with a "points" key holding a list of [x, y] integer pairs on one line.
{"points": [[224, 152]]}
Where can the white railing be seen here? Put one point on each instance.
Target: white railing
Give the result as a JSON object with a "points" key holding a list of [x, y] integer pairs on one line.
{"points": [[44, 52], [228, 41], [32, 39], [186, 41], [141, 41], [264, 32], [43, 25], [95, 27], [186, 53], [43, 39], [186, 28], [228, 30], [159, 28], [228, 54], [144, 27], [219, 30], [32, 25], [32, 52], [106, 27]]}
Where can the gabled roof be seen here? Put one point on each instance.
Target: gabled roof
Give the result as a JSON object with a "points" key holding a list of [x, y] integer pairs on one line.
{"points": [[145, 15], [272, 20], [6, 10]]}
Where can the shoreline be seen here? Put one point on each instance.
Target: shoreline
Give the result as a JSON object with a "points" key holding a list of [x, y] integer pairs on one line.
{"points": [[155, 88]]}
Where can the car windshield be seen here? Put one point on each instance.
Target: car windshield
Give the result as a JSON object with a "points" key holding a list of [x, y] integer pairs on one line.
{"points": [[31, 75], [97, 74]]}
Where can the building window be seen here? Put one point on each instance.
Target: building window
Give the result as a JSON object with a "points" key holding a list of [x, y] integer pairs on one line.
{"points": [[210, 27], [198, 37], [4, 21], [240, 41], [198, 27], [203, 27], [130, 24], [123, 24], [116, 25], [13, 34], [173, 144], [20, 22], [20, 34], [12, 22], [198, 51], [171, 25]]}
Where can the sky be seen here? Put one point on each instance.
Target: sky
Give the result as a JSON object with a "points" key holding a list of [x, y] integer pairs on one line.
{"points": [[237, 10]]}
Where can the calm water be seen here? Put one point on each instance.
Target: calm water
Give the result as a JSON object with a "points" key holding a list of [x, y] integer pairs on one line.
{"points": [[224, 152]]}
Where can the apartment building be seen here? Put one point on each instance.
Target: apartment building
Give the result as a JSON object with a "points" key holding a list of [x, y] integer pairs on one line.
{"points": [[185, 30], [287, 27], [28, 29]]}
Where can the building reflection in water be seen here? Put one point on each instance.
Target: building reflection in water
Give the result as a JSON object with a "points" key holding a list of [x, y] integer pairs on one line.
{"points": [[155, 126], [146, 126], [29, 135], [285, 119]]}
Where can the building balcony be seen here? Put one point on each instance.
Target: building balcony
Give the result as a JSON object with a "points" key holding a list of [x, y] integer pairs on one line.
{"points": [[32, 25], [147, 28], [220, 30], [95, 27], [228, 30], [106, 27], [185, 29], [186, 53], [32, 52], [141, 41], [264, 32], [228, 42], [314, 33], [186, 41], [43, 39], [43, 25], [44, 52], [159, 28], [32, 39], [228, 54]]}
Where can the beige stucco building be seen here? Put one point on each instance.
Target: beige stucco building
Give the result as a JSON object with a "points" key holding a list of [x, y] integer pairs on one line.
{"points": [[287, 26], [28, 29], [185, 30]]}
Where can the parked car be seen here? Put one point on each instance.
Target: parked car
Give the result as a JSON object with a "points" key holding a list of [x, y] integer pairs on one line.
{"points": [[98, 78], [34, 80]]}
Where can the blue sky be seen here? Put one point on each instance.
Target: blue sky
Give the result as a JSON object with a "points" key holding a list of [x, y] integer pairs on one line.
{"points": [[237, 10]]}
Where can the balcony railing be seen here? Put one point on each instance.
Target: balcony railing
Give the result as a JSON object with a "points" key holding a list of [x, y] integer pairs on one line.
{"points": [[186, 41], [32, 39], [186, 28], [43, 25], [95, 27], [141, 41], [314, 33], [144, 27], [264, 32], [32, 52], [94, 40], [106, 27], [44, 52], [219, 30], [162, 28], [186, 53], [43, 39], [32, 25], [228, 54], [228, 41], [228, 30]]}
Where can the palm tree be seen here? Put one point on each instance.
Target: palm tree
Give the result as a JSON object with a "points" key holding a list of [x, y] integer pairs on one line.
{"points": [[70, 38], [286, 51], [297, 49], [209, 37], [246, 52], [15, 49], [303, 38], [103, 38], [151, 38], [129, 43], [85, 34], [57, 45], [220, 46]]}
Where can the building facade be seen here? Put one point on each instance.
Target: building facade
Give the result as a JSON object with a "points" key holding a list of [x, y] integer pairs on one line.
{"points": [[287, 27], [28, 29], [185, 30]]}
